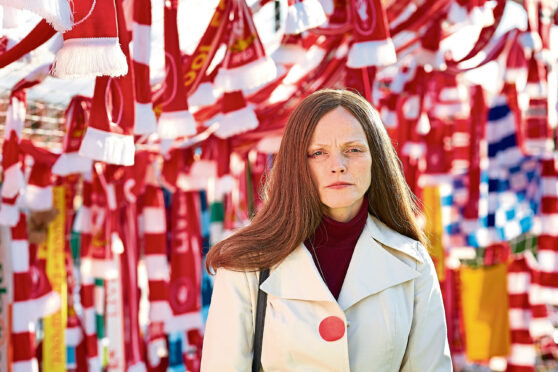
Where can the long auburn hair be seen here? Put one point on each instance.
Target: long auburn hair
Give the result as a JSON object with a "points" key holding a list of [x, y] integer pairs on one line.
{"points": [[292, 209]]}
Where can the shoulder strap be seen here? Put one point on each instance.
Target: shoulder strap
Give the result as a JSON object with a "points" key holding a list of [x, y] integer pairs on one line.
{"points": [[260, 318]]}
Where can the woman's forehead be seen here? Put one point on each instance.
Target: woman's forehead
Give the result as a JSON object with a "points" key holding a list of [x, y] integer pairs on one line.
{"points": [[338, 125]]}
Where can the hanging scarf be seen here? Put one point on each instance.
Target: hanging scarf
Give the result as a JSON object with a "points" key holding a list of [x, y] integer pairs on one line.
{"points": [[538, 133], [522, 354], [548, 238], [76, 118], [6, 296], [11, 164], [36, 37], [541, 325], [91, 47], [115, 321], [131, 292], [55, 12], [155, 252], [245, 65], [112, 141], [372, 44], [83, 225], [196, 65], [476, 152], [185, 273], [23, 315], [175, 120], [303, 15], [145, 117]]}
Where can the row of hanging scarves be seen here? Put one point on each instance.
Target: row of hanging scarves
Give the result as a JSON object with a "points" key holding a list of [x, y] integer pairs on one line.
{"points": [[421, 108]]}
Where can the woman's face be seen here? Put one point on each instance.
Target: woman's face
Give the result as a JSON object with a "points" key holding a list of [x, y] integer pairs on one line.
{"points": [[340, 163]]}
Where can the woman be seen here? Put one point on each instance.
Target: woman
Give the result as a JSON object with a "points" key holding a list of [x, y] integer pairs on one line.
{"points": [[351, 287]]}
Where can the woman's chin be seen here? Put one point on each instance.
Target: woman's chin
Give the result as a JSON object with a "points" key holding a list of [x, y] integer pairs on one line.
{"points": [[340, 203]]}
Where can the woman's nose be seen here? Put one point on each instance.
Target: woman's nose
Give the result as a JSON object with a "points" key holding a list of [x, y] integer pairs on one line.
{"points": [[338, 164]]}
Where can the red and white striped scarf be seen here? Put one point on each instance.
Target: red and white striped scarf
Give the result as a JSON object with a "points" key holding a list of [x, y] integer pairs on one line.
{"points": [[76, 118], [245, 66], [93, 46], [23, 316], [538, 134], [303, 15], [55, 12], [83, 225], [145, 117], [548, 238], [185, 267], [36, 37], [6, 296], [15, 118], [155, 255], [175, 120], [372, 44], [522, 354], [112, 140], [31, 302]]}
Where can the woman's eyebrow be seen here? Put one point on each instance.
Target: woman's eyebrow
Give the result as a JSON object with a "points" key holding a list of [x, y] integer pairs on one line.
{"points": [[350, 142]]}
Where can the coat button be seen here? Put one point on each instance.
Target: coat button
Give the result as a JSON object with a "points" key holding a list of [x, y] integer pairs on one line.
{"points": [[332, 328]]}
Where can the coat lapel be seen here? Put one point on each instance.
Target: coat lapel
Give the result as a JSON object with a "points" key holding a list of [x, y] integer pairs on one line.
{"points": [[297, 278], [373, 268]]}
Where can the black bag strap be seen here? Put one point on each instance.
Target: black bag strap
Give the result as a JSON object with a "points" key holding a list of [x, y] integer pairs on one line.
{"points": [[260, 318]]}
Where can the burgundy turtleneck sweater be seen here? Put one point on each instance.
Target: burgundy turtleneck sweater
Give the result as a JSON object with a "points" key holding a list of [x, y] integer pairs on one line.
{"points": [[334, 243]]}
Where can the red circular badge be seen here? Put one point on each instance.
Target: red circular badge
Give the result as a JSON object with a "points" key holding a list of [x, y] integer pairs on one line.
{"points": [[332, 328]]}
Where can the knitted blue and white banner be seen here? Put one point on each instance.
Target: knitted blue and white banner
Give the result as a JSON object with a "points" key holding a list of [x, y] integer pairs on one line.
{"points": [[513, 179], [509, 188]]}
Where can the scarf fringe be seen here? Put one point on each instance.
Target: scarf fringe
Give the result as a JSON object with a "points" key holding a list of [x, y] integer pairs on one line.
{"points": [[248, 76], [90, 57], [56, 12], [304, 15], [204, 95], [14, 181], [38, 198], [108, 147], [176, 124], [71, 162], [9, 214], [236, 122], [156, 349], [372, 53], [146, 123]]}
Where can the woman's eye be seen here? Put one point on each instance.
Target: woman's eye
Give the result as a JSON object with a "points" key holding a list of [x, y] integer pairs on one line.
{"points": [[316, 154], [355, 149]]}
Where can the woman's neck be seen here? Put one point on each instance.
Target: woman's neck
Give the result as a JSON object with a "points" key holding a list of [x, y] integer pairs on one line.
{"points": [[344, 214]]}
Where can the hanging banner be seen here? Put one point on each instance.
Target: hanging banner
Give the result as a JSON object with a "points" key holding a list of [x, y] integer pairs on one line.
{"points": [[115, 324], [196, 65], [185, 270], [5, 298], [434, 228], [115, 307], [485, 311], [54, 343]]}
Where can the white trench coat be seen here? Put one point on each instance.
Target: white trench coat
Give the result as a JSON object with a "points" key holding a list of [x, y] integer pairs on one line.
{"points": [[390, 304]]}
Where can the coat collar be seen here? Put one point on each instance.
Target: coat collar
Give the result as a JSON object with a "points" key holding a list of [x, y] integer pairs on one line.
{"points": [[372, 269]]}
